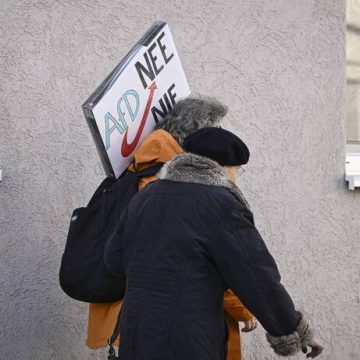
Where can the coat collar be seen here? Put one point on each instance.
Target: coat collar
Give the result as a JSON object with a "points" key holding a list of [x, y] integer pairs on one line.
{"points": [[191, 168]]}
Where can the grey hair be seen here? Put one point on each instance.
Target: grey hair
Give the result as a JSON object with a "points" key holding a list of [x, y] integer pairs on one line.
{"points": [[191, 114]]}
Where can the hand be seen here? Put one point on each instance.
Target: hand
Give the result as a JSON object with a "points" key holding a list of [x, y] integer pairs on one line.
{"points": [[316, 349], [250, 325]]}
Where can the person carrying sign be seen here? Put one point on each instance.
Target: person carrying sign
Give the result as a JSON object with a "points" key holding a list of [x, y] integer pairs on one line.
{"points": [[182, 242], [158, 148]]}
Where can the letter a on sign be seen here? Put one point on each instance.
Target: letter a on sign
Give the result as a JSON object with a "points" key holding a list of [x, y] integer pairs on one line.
{"points": [[123, 110]]}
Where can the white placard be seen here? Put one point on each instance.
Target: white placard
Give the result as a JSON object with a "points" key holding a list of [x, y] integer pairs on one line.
{"points": [[149, 85]]}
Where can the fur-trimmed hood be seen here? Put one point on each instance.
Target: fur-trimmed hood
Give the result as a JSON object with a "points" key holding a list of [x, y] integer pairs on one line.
{"points": [[197, 169], [191, 114]]}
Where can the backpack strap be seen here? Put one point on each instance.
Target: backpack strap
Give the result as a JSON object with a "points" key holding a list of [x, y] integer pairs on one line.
{"points": [[114, 336], [150, 171], [107, 183]]}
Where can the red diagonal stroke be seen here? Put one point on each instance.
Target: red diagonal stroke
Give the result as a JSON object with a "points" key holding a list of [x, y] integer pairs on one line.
{"points": [[126, 148]]}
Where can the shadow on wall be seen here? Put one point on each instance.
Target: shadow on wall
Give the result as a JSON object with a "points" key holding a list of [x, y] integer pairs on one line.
{"points": [[353, 73]]}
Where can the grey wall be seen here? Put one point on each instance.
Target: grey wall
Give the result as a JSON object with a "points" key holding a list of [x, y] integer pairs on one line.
{"points": [[280, 67]]}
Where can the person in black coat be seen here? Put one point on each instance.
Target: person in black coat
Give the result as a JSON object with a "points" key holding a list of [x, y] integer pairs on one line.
{"points": [[184, 240]]}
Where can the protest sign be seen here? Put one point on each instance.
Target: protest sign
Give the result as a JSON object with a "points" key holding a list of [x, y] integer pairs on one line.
{"points": [[135, 97]]}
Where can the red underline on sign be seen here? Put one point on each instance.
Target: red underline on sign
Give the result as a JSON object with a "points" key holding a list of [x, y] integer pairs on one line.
{"points": [[126, 148]]}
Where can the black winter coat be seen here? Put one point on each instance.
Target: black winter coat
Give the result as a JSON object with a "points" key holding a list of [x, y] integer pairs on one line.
{"points": [[181, 243]]}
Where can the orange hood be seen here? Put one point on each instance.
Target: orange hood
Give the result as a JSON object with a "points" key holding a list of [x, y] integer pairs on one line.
{"points": [[158, 148]]}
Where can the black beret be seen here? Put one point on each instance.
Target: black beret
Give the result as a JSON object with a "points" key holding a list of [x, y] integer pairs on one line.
{"points": [[218, 144]]}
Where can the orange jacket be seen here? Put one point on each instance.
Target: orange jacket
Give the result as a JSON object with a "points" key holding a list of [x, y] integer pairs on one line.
{"points": [[158, 148]]}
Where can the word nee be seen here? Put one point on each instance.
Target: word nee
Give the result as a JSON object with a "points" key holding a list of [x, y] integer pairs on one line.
{"points": [[152, 69]]}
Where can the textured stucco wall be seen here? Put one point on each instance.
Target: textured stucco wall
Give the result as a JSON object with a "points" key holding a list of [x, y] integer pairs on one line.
{"points": [[280, 67]]}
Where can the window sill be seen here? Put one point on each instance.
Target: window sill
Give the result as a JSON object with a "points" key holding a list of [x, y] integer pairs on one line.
{"points": [[352, 169]]}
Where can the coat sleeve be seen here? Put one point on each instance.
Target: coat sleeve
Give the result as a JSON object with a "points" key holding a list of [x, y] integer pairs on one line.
{"points": [[248, 269], [113, 252]]}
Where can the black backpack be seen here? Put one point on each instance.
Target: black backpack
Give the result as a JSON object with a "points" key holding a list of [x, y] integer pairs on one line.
{"points": [[83, 274]]}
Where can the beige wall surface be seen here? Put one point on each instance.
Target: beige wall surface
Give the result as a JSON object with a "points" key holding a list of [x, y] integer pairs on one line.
{"points": [[280, 67]]}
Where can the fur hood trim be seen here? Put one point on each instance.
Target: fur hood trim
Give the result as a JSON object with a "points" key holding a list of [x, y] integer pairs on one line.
{"points": [[191, 168], [291, 344]]}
